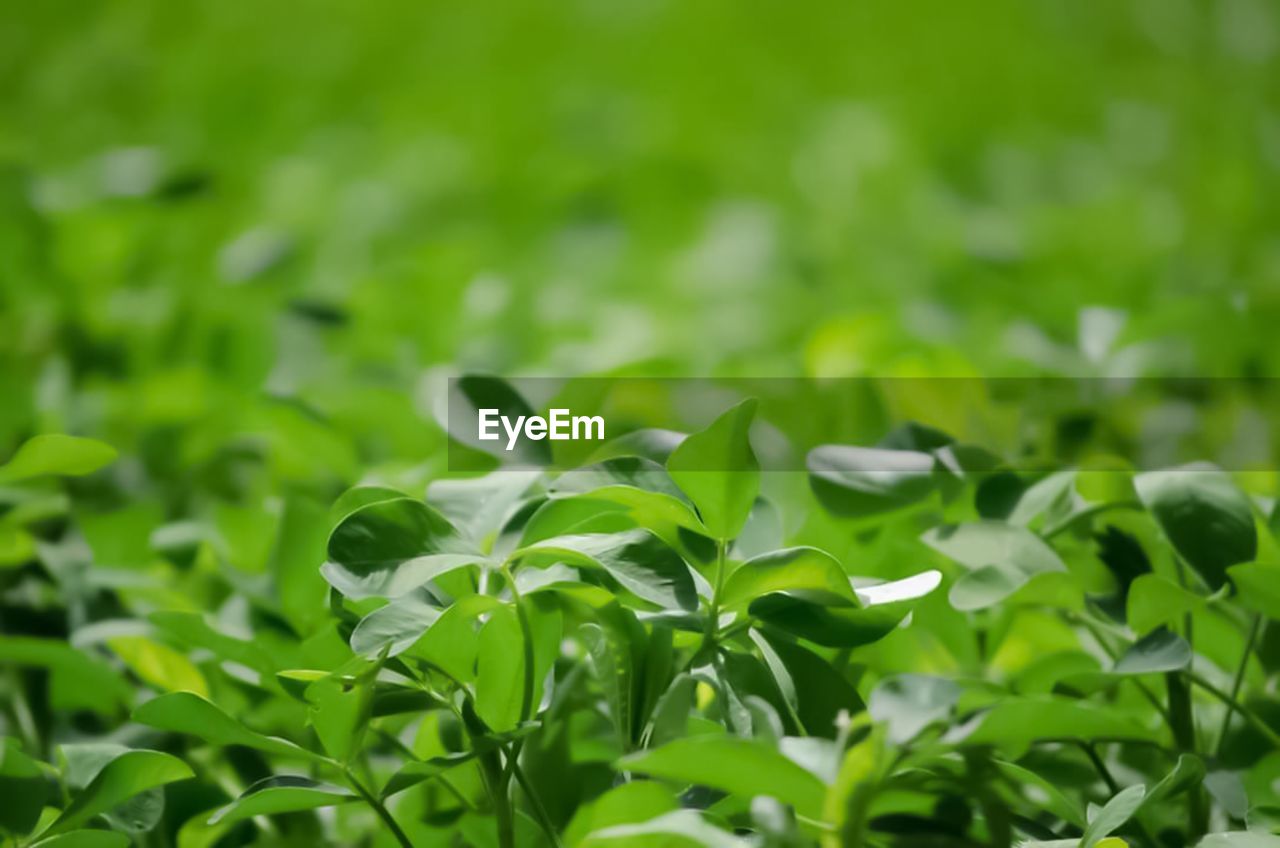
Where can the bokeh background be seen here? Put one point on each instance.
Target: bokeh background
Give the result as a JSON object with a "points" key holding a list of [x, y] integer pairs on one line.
{"points": [[272, 228]]}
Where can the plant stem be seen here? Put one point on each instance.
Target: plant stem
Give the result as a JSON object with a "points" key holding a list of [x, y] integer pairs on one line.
{"points": [[713, 613], [1249, 715], [378, 807], [1100, 767], [1182, 719], [1254, 630], [539, 811]]}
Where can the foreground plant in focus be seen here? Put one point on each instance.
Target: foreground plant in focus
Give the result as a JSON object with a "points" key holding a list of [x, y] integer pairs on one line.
{"points": [[629, 654]]}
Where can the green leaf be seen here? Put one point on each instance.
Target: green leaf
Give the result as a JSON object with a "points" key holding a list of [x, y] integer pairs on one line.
{"points": [[717, 469], [626, 471], [1207, 519], [85, 839], [886, 605], [1258, 587], [125, 776], [732, 764], [856, 482], [282, 794], [24, 787], [1155, 600], [79, 682], [159, 665], [677, 829], [450, 642], [1015, 723], [340, 712], [388, 548], [398, 625], [1053, 799], [1113, 815], [55, 453], [417, 771], [1239, 839], [500, 670], [1001, 559], [193, 629], [299, 545], [909, 703], [1187, 773], [639, 560], [629, 803], [185, 712], [814, 690], [807, 572], [1159, 651]]}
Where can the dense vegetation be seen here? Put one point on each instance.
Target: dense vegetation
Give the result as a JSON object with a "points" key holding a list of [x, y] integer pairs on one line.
{"points": [[248, 596]]}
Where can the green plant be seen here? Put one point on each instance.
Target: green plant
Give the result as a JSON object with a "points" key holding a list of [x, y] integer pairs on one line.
{"points": [[626, 653]]}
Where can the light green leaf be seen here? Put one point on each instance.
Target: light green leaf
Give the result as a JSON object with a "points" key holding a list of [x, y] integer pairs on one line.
{"points": [[909, 703], [806, 572], [125, 776], [159, 665], [78, 680], [1187, 773], [1159, 651], [398, 625], [1001, 559], [1258, 587], [1113, 815], [629, 803], [637, 559], [1053, 799], [500, 670], [450, 642], [388, 548], [85, 839], [55, 453], [185, 712], [1240, 839], [717, 469], [193, 629], [1014, 723], [1204, 515], [856, 482], [736, 765], [1155, 600], [677, 829], [282, 794]]}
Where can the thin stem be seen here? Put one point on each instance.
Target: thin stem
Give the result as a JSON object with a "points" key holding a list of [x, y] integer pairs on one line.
{"points": [[1249, 715], [713, 614], [1097, 635], [539, 811], [1182, 715], [378, 807], [1100, 767], [1254, 629]]}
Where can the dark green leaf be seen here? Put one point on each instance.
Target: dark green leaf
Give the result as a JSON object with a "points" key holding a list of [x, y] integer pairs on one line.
{"points": [[1207, 519]]}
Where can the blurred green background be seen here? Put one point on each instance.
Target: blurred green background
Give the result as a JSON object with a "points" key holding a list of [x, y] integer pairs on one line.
{"points": [[272, 228]]}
